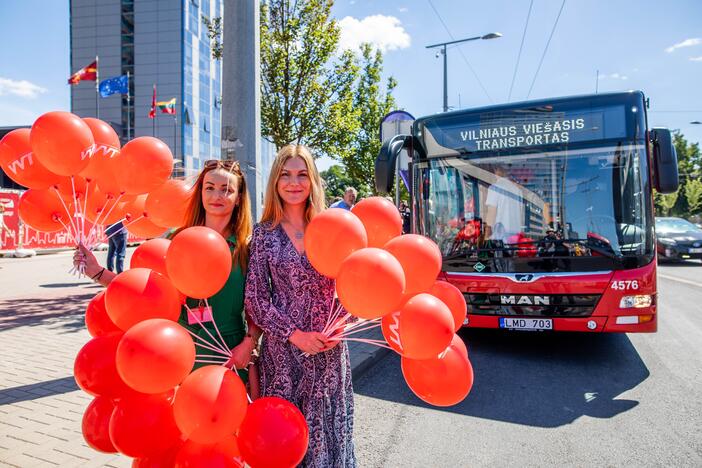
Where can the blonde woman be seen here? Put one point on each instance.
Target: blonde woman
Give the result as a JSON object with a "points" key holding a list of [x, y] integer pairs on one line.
{"points": [[290, 302]]}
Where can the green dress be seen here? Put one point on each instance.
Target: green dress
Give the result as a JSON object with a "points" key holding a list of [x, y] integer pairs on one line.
{"points": [[227, 311]]}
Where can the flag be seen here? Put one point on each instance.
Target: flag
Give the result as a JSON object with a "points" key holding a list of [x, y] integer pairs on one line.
{"points": [[167, 107], [152, 112], [87, 73], [118, 84]]}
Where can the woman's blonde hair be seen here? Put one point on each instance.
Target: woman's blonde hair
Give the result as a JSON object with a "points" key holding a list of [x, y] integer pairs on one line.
{"points": [[241, 222], [273, 204]]}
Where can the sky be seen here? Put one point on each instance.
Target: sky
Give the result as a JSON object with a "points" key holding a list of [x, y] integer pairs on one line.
{"points": [[648, 45]]}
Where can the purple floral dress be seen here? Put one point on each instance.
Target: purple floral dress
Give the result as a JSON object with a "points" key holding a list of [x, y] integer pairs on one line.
{"points": [[283, 293]]}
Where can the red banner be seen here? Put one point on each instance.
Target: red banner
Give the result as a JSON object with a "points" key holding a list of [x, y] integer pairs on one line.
{"points": [[31, 238]]}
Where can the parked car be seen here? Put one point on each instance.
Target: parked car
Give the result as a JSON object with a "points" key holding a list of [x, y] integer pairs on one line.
{"points": [[678, 239]]}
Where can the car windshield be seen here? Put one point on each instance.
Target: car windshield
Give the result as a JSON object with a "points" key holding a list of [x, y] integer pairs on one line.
{"points": [[674, 226], [575, 203]]}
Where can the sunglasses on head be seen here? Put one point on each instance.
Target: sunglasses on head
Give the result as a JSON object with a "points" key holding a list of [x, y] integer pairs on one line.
{"points": [[223, 163]]}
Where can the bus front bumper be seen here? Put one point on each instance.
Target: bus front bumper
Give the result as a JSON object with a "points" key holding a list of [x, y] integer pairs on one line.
{"points": [[644, 321]]}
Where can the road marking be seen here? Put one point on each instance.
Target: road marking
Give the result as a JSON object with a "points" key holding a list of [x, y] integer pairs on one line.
{"points": [[680, 280]]}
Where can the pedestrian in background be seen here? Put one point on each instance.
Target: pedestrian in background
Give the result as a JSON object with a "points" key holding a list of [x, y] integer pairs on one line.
{"points": [[348, 201], [117, 246]]}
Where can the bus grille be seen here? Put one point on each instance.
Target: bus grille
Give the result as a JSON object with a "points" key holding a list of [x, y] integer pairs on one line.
{"points": [[551, 305]]}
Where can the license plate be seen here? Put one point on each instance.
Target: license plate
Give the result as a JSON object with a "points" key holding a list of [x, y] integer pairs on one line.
{"points": [[526, 323], [695, 250]]}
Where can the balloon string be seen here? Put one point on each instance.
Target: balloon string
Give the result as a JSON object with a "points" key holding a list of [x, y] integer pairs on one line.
{"points": [[339, 322], [333, 318], [214, 323], [98, 221], [85, 204], [379, 343], [216, 343], [205, 344], [76, 211], [203, 361], [68, 212], [332, 313], [357, 329], [209, 356]]}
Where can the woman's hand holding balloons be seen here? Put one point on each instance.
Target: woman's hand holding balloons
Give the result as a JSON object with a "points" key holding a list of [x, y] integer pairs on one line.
{"points": [[83, 256], [308, 342], [241, 354]]}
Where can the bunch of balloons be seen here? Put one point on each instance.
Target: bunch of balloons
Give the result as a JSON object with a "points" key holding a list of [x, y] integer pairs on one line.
{"points": [[80, 177], [388, 279], [149, 404]]}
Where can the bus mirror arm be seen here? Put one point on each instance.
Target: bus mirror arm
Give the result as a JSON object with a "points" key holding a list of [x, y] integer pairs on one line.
{"points": [[385, 163], [665, 161]]}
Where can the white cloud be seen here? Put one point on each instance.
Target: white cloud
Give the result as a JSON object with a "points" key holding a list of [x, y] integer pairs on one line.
{"points": [[614, 76], [384, 32], [686, 43], [21, 88], [403, 9], [696, 59]]}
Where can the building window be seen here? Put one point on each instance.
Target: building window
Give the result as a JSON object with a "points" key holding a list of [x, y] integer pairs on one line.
{"points": [[186, 116], [205, 127]]}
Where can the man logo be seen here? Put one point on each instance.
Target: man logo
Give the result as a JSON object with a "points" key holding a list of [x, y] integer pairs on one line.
{"points": [[525, 300], [524, 278]]}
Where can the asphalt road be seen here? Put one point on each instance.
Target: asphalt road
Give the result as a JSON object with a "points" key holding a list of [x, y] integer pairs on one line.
{"points": [[554, 399]]}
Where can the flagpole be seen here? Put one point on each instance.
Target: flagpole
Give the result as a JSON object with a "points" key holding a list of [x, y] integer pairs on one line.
{"points": [[97, 87], [129, 109], [175, 133], [153, 106]]}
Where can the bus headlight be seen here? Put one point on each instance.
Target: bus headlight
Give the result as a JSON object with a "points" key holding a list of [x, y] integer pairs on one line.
{"points": [[636, 302]]}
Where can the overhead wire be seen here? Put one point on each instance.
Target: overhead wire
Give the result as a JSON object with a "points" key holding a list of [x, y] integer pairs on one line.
{"points": [[519, 56], [553, 30], [460, 51]]}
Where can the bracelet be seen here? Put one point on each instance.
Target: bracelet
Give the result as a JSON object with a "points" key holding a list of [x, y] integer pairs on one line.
{"points": [[98, 275]]}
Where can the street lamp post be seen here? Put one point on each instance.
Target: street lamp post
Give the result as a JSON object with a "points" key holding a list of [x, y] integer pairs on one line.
{"points": [[443, 45]]}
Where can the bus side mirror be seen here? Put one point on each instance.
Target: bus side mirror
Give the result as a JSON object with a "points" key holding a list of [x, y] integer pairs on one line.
{"points": [[385, 163], [665, 161]]}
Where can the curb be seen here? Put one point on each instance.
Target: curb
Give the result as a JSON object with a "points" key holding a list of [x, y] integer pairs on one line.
{"points": [[367, 363]]}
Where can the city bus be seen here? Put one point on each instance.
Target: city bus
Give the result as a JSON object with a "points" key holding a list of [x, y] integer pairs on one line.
{"points": [[543, 210]]}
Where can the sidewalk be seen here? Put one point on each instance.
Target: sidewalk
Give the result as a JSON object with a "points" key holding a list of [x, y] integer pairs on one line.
{"points": [[40, 405]]}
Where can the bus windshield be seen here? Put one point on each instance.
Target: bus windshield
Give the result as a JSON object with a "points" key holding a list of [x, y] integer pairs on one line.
{"points": [[540, 211]]}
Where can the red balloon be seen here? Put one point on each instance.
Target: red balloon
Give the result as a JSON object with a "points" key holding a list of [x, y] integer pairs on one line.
{"points": [[168, 204], [198, 262], [210, 404], [95, 369], [453, 298], [370, 283], [106, 148], [44, 210], [96, 424], [155, 355], [104, 209], [390, 326], [62, 142], [222, 454], [444, 380], [381, 219], [138, 220], [331, 237], [425, 327], [96, 319], [139, 294], [420, 258], [145, 164], [76, 188], [19, 163], [151, 254], [166, 459], [143, 425], [274, 433]]}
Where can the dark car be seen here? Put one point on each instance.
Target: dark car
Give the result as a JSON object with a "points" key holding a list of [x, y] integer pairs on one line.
{"points": [[678, 239]]}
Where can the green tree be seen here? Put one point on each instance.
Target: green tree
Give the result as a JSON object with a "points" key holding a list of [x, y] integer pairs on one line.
{"points": [[693, 196], [336, 179], [214, 33], [306, 91], [689, 167], [665, 203], [373, 103]]}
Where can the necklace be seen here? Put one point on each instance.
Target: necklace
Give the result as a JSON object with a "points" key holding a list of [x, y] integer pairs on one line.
{"points": [[298, 233]]}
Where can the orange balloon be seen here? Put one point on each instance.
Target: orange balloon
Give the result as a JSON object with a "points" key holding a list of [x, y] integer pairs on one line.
{"points": [[76, 188], [444, 380], [454, 299], [210, 404], [420, 258], [222, 454], [96, 424], [145, 164], [370, 283], [20, 164], [104, 209], [109, 181], [140, 294], [62, 142], [381, 219], [331, 237], [155, 355], [106, 147], [143, 425], [168, 204], [146, 229], [198, 262], [425, 327], [44, 210], [139, 222], [151, 254], [96, 319]]}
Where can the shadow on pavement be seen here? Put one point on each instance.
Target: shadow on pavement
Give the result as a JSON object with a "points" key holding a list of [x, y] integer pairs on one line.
{"points": [[534, 379], [33, 391], [69, 285], [66, 312]]}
